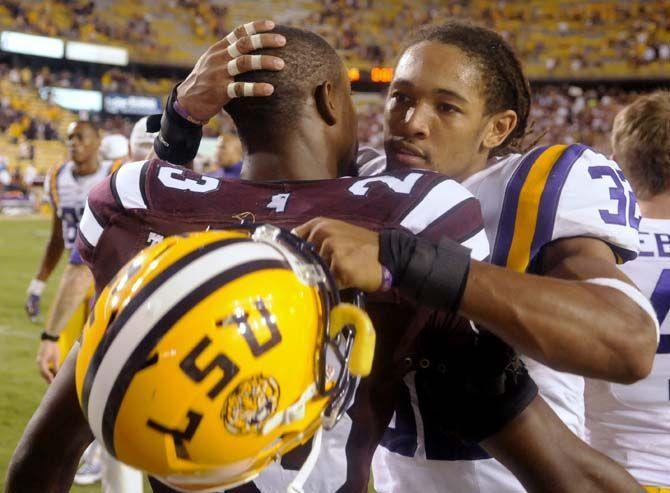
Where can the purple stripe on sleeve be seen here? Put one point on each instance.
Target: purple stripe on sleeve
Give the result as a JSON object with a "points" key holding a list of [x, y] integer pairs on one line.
{"points": [[510, 205], [546, 215]]}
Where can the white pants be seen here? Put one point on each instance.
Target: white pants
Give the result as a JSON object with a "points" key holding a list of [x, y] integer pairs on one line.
{"points": [[118, 477]]}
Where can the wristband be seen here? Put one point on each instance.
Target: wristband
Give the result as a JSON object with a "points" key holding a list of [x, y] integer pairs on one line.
{"points": [[432, 275], [387, 280], [178, 139], [48, 337], [36, 287], [181, 111]]}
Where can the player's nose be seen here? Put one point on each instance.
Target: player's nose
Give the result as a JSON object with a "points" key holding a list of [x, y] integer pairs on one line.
{"points": [[417, 121]]}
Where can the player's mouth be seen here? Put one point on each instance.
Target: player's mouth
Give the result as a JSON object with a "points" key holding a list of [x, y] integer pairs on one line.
{"points": [[408, 155]]}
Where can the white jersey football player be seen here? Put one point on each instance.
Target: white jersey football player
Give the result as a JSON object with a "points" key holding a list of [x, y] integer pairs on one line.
{"points": [[66, 187], [563, 212], [458, 95], [631, 424]]}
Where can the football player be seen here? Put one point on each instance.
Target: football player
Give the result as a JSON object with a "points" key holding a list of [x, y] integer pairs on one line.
{"points": [[66, 187], [312, 141], [549, 466], [631, 424], [459, 103]]}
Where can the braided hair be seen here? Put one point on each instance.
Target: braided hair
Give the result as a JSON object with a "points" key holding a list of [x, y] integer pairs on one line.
{"points": [[505, 86]]}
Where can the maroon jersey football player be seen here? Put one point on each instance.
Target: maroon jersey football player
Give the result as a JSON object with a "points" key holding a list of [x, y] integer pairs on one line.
{"points": [[146, 201]]}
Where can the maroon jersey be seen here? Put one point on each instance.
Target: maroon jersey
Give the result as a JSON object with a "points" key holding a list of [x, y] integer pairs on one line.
{"points": [[145, 201]]}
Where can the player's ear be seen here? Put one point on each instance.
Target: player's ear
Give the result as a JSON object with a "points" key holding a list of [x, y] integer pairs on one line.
{"points": [[325, 102], [498, 128]]}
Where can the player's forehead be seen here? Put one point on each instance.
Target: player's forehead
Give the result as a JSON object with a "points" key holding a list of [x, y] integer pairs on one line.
{"points": [[80, 129], [437, 68]]}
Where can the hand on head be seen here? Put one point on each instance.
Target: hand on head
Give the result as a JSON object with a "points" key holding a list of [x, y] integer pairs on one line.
{"points": [[211, 83]]}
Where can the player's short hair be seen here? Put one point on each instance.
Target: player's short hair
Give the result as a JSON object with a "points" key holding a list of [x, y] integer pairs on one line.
{"points": [[505, 86], [641, 143], [88, 123], [309, 61]]}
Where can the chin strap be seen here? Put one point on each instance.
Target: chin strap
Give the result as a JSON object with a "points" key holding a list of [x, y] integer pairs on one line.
{"points": [[292, 413], [298, 482]]}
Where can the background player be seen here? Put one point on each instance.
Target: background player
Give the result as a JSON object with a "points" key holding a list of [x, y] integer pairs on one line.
{"points": [[66, 187], [631, 424]]}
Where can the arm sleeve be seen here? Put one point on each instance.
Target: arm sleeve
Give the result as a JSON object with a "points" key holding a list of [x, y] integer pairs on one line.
{"points": [[447, 209]]}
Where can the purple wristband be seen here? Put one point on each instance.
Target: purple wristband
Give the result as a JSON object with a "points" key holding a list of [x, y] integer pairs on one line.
{"points": [[387, 280], [181, 111]]}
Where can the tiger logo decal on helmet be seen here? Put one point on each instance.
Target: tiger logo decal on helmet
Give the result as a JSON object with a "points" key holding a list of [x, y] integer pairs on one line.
{"points": [[251, 404]]}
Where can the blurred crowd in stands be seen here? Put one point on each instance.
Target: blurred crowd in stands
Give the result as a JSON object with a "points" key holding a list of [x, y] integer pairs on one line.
{"points": [[15, 120], [560, 113], [554, 37]]}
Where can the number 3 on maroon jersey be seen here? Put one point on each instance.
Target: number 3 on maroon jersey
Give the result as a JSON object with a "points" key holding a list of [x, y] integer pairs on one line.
{"points": [[174, 178]]}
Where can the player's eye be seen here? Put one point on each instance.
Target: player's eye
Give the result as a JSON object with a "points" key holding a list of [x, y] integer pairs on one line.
{"points": [[399, 98], [447, 108]]}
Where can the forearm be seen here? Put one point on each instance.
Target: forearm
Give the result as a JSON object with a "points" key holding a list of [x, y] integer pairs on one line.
{"points": [[48, 453], [570, 326], [72, 290], [50, 259], [567, 465]]}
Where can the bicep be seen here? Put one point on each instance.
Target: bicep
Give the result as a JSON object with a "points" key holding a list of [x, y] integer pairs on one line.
{"points": [[579, 259]]}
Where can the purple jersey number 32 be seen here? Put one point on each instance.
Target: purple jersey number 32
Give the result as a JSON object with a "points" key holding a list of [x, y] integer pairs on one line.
{"points": [[617, 193]]}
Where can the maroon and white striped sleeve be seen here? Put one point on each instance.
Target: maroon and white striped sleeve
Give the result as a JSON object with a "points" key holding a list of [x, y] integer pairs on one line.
{"points": [[447, 209], [118, 192]]}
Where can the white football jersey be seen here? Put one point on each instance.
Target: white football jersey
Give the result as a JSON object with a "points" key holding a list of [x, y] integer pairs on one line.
{"points": [[631, 423], [527, 201], [67, 194]]}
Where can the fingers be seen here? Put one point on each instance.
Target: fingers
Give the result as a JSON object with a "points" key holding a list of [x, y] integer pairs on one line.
{"points": [[246, 63], [311, 230], [249, 29], [247, 89], [45, 369], [248, 44]]}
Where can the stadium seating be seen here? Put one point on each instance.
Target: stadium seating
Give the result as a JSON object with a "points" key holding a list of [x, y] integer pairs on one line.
{"points": [[556, 38]]}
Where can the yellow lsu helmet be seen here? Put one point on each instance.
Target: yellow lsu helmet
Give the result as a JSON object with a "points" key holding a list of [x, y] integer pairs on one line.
{"points": [[211, 354]]}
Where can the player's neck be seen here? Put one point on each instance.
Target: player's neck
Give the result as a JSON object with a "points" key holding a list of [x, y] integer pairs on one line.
{"points": [[656, 207], [475, 166], [299, 161], [87, 167]]}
